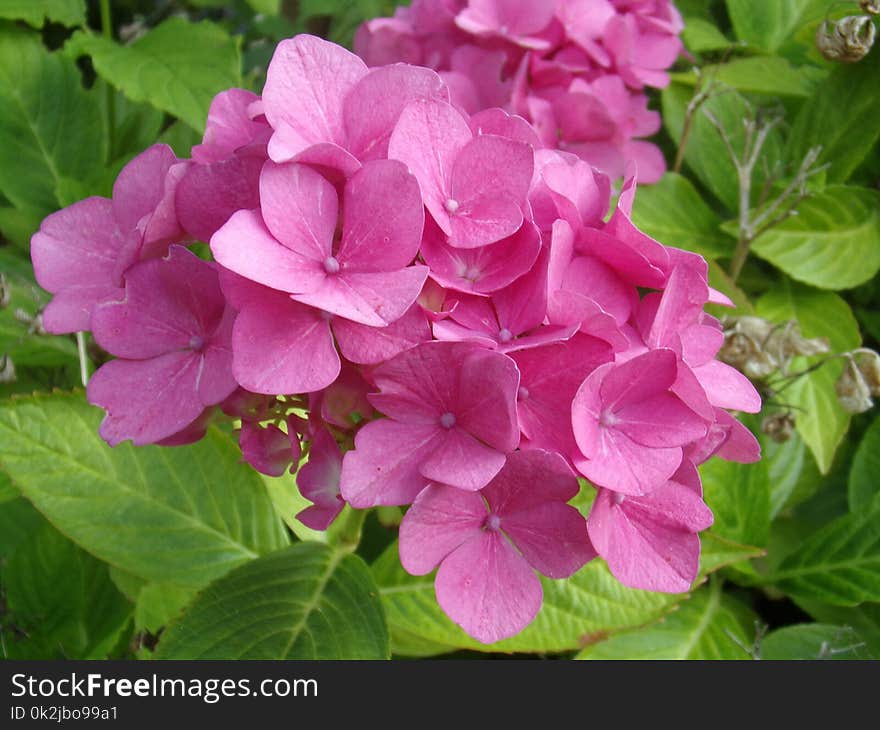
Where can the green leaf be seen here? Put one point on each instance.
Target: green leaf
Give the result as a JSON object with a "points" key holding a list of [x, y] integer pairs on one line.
{"points": [[51, 129], [38, 12], [794, 476], [672, 211], [864, 475], [305, 602], [702, 35], [158, 604], [266, 7], [739, 497], [706, 153], [821, 421], [181, 138], [839, 564], [26, 345], [289, 503], [832, 243], [55, 589], [8, 492], [18, 520], [814, 641], [772, 75], [864, 619], [841, 117], [717, 552], [709, 625], [183, 515], [590, 603], [17, 225], [178, 66], [768, 25]]}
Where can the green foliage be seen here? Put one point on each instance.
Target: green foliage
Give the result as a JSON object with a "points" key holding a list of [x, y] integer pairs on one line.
{"points": [[814, 641], [177, 67], [708, 625], [38, 12], [739, 497], [184, 516], [305, 602], [864, 476]]}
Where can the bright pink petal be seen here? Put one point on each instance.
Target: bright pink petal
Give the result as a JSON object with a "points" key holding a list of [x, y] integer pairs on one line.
{"points": [[281, 347], [381, 231], [510, 18], [488, 589], [488, 384], [740, 444], [498, 122], [638, 379], [306, 85], [366, 345], [244, 245], [318, 481], [146, 400], [376, 299], [528, 480], [383, 469], [727, 387], [589, 277], [461, 461], [141, 184], [268, 449], [440, 520], [230, 127]]}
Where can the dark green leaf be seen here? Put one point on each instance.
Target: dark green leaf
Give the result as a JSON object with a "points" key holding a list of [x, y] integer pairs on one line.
{"points": [[184, 515], [305, 602], [814, 641], [864, 475], [739, 497], [18, 520]]}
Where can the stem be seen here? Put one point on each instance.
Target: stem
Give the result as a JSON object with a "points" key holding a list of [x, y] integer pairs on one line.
{"points": [[83, 358], [347, 530], [107, 31]]}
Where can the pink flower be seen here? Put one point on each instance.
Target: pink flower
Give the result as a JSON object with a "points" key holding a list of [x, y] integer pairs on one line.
{"points": [[81, 252], [650, 541], [474, 187], [268, 449], [519, 21], [489, 544], [629, 427], [171, 334], [318, 481], [451, 418]]}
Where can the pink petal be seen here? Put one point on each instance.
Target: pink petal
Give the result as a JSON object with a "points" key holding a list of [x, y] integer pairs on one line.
{"points": [[141, 184], [660, 421], [229, 127], [427, 139], [300, 209], [566, 307], [589, 277], [244, 245], [268, 449], [281, 347], [208, 195], [306, 85], [373, 107], [146, 400], [318, 481], [727, 387], [498, 122], [488, 589], [740, 444], [638, 379], [381, 232], [440, 520], [461, 461], [366, 345], [376, 299], [383, 469], [528, 480], [488, 384], [506, 17]]}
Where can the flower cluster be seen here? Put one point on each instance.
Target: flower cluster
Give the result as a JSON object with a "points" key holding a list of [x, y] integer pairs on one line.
{"points": [[427, 308], [576, 69]]}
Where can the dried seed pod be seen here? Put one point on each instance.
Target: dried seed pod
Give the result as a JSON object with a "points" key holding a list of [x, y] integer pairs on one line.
{"points": [[7, 369], [779, 426], [853, 392], [871, 7], [5, 292], [848, 40], [868, 363], [759, 366]]}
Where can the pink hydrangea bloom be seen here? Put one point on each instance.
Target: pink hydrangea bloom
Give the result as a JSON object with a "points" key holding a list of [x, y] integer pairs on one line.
{"points": [[451, 418], [318, 481], [171, 335], [268, 449], [489, 544]]}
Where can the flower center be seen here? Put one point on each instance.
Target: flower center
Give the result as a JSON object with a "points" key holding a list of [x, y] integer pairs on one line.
{"points": [[196, 342], [447, 420], [493, 523], [331, 265], [618, 498], [505, 335], [522, 393], [608, 419], [451, 206]]}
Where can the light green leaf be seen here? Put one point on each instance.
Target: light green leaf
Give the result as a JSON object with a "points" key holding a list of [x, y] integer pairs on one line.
{"points": [[864, 619], [832, 243], [183, 515], [821, 421], [305, 602], [772, 75], [768, 25], [590, 603], [841, 117], [814, 641], [706, 153], [289, 503], [839, 564], [62, 593], [717, 552], [739, 497], [158, 604], [793, 474], [38, 12], [266, 7], [709, 625], [864, 475], [18, 520], [51, 129], [672, 211], [181, 138], [702, 35], [177, 66]]}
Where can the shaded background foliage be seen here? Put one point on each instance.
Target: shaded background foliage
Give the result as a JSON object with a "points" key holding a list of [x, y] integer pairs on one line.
{"points": [[138, 552]]}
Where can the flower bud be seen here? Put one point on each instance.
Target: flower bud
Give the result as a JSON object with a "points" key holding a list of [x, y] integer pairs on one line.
{"points": [[848, 40], [853, 392], [779, 426], [871, 7]]}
